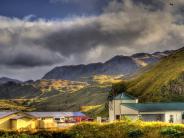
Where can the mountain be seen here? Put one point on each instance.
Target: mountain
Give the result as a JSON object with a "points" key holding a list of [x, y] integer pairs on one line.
{"points": [[163, 81], [118, 65], [74, 88], [4, 80]]}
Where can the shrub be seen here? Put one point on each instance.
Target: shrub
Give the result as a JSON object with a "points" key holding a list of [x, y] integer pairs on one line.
{"points": [[172, 132], [136, 133]]}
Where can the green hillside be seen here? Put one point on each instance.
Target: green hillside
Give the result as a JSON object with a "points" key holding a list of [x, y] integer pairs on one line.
{"points": [[163, 82]]}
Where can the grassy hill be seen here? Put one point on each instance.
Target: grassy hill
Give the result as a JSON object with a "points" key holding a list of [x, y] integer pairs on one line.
{"points": [[162, 82], [89, 95]]}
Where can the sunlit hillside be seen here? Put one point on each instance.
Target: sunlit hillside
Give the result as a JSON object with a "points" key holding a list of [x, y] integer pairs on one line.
{"points": [[106, 79], [163, 82], [92, 96], [59, 85]]}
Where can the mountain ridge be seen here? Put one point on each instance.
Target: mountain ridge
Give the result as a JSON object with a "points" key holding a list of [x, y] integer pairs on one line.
{"points": [[117, 65]]}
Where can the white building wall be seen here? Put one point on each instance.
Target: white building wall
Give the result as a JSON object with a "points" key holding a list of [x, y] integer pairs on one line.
{"points": [[115, 108], [153, 117], [111, 111], [177, 116]]}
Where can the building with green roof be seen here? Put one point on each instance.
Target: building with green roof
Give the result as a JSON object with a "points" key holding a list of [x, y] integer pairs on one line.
{"points": [[123, 96], [126, 105]]}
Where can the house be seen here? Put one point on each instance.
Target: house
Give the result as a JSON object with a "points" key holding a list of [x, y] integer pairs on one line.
{"points": [[126, 105], [14, 120], [22, 122]]}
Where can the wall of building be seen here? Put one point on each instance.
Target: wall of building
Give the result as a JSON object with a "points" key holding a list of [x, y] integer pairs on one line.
{"points": [[13, 124], [5, 122], [115, 107], [153, 117], [45, 123], [26, 123], [111, 110], [177, 116]]}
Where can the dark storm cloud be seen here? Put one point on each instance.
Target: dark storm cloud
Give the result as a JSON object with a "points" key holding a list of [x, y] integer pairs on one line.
{"points": [[124, 27], [83, 38], [28, 60], [27, 57]]}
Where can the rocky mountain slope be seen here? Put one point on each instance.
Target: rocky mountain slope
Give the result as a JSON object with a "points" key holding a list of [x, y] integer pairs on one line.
{"points": [[164, 81], [118, 65]]}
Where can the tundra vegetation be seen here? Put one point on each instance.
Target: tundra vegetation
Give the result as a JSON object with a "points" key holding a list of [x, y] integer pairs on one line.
{"points": [[121, 129]]}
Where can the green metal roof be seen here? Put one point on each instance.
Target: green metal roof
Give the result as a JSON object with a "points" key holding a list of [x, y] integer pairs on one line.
{"points": [[124, 96], [147, 107]]}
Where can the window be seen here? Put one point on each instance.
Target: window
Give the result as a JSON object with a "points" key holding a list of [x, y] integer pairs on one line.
{"points": [[117, 117], [159, 117], [182, 116], [57, 119], [171, 119], [43, 118]]}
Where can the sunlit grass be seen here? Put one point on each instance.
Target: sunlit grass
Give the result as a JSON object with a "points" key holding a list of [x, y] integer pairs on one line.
{"points": [[119, 129], [107, 79]]}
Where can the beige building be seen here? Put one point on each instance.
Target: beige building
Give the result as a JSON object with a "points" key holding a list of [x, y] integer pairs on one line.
{"points": [[35, 120], [17, 120], [125, 105]]}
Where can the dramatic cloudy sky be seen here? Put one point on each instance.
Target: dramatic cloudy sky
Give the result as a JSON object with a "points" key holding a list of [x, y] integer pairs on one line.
{"points": [[37, 35]]}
